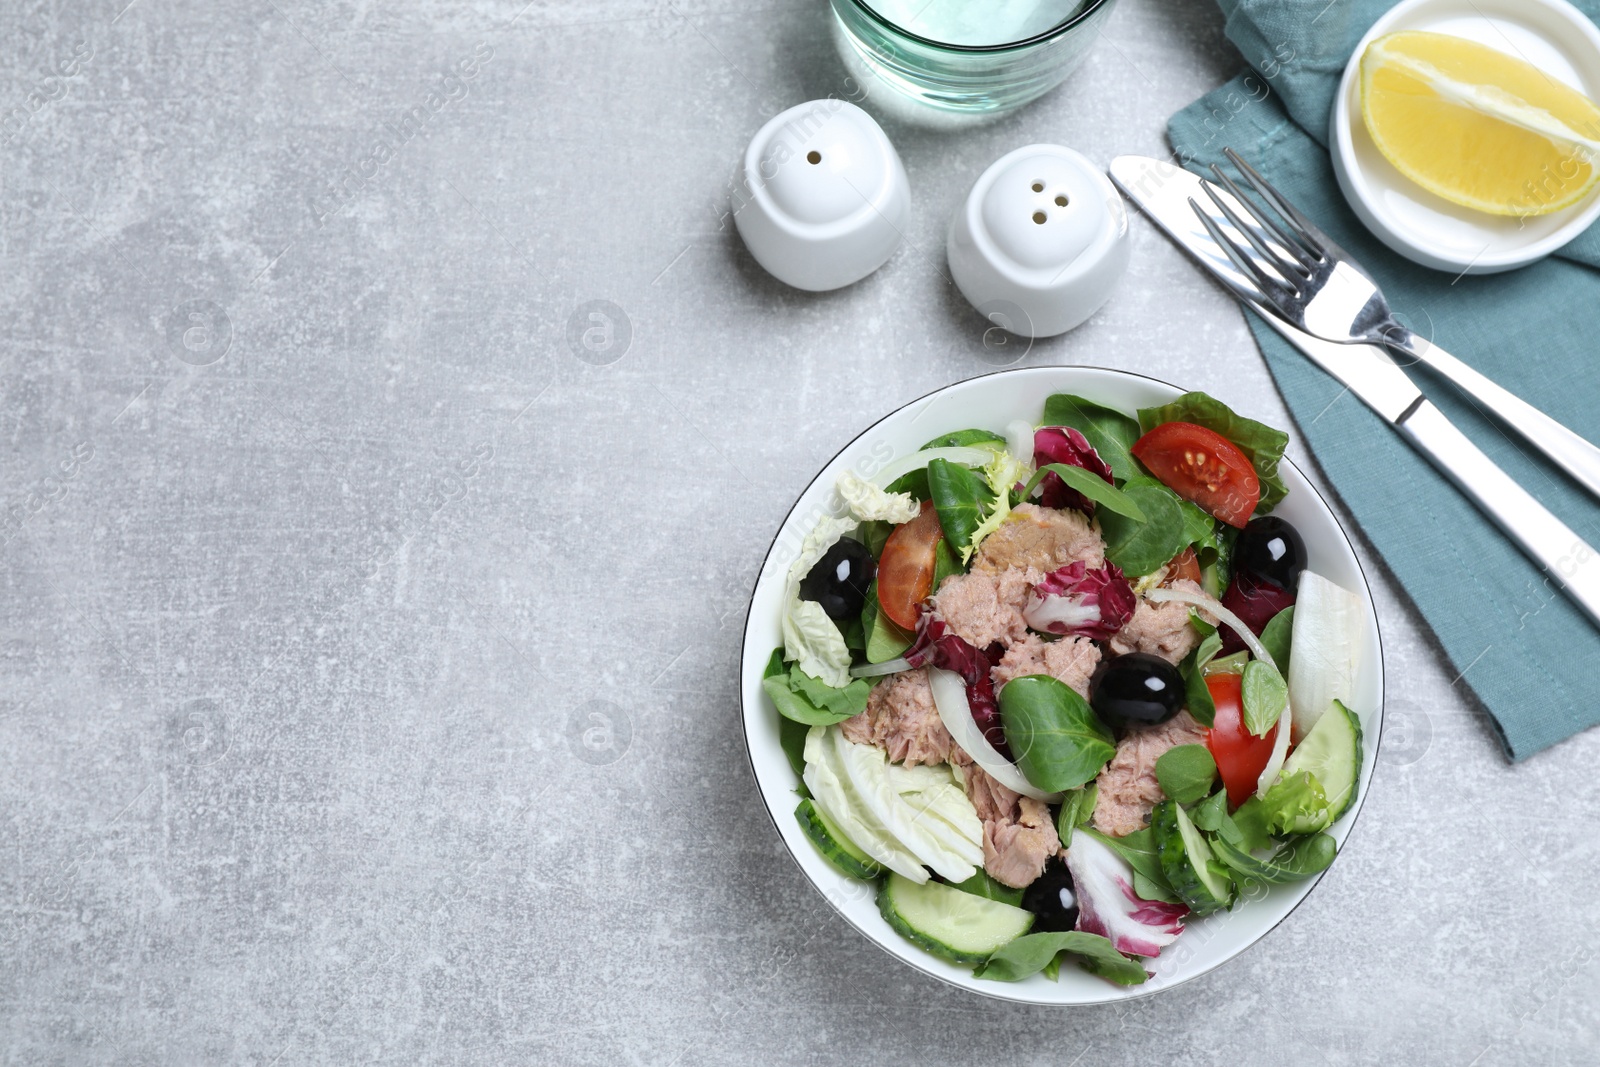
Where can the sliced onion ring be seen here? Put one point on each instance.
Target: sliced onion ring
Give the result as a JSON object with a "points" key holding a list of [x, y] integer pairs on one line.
{"points": [[950, 697], [878, 670], [1280, 749], [1019, 442], [1236, 624], [1280, 745]]}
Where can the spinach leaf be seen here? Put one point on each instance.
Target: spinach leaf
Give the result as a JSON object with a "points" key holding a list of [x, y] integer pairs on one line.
{"points": [[981, 885], [1025, 956], [1111, 433], [1199, 527], [1278, 636], [1057, 739], [1216, 563], [1197, 698], [1141, 547], [791, 734], [875, 534], [1259, 442], [1294, 862], [1145, 889], [945, 563], [913, 482], [1247, 827], [854, 634], [961, 496], [1185, 772], [1196, 695], [1211, 812], [809, 700], [1265, 694], [1076, 808], [967, 438], [1090, 485], [884, 639], [1139, 850]]}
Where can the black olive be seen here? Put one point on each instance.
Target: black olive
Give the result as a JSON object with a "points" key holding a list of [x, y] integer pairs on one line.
{"points": [[840, 579], [1271, 550], [1052, 899], [1135, 689]]}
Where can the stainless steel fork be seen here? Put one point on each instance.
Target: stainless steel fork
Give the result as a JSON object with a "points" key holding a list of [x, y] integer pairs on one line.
{"points": [[1310, 281]]}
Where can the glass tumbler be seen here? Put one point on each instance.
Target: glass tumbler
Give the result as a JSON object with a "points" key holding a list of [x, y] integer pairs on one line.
{"points": [[964, 56]]}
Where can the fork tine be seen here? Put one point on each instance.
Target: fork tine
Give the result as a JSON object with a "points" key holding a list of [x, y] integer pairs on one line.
{"points": [[1310, 236], [1262, 293], [1290, 268], [1286, 241]]}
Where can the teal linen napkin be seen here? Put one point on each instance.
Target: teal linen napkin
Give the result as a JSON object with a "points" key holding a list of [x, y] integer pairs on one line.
{"points": [[1530, 656]]}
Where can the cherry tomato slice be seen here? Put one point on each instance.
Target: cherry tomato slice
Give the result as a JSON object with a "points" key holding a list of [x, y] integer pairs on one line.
{"points": [[905, 570], [1203, 466], [1241, 756], [1184, 565]]}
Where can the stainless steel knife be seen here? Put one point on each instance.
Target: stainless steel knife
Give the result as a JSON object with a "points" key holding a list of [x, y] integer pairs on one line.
{"points": [[1163, 191]]}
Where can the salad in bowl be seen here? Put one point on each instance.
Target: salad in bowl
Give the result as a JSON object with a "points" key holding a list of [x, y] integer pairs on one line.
{"points": [[1054, 689]]}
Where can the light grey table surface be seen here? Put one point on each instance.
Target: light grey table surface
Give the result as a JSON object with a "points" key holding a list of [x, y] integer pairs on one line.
{"points": [[321, 545]]}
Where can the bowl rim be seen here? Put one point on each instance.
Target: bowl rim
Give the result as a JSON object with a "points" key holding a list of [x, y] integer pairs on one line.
{"points": [[998, 993], [980, 49], [1363, 192]]}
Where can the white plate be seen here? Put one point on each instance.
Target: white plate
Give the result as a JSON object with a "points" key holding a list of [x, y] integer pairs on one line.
{"points": [[1551, 34], [991, 402]]}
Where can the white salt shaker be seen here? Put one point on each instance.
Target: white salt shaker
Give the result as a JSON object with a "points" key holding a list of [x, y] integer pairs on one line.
{"points": [[1041, 242], [821, 197]]}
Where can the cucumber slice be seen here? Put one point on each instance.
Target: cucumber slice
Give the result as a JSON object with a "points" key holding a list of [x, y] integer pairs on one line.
{"points": [[836, 848], [1332, 753], [1198, 879], [961, 927]]}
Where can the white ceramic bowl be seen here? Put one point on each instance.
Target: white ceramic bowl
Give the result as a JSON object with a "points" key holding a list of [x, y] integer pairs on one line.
{"points": [[1551, 34], [992, 401]]}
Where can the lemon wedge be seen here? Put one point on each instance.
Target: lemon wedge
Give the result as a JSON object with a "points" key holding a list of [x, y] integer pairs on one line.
{"points": [[1478, 127]]}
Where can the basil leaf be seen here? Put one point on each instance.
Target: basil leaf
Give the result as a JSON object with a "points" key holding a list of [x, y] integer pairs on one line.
{"points": [[1260, 443], [1076, 808], [1025, 956], [1212, 812], [1110, 433], [1185, 772], [968, 438], [960, 496], [1139, 548], [981, 885], [1090, 485], [1139, 850], [1057, 740], [1265, 695], [1278, 636]]}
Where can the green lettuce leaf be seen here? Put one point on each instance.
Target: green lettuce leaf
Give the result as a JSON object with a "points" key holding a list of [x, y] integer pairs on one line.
{"points": [[1262, 444]]}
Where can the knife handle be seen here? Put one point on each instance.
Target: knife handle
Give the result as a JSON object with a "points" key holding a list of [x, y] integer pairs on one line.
{"points": [[1572, 452], [1565, 557]]}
